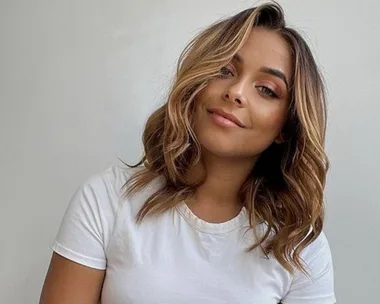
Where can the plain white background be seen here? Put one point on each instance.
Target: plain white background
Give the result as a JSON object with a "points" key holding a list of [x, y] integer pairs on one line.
{"points": [[78, 79]]}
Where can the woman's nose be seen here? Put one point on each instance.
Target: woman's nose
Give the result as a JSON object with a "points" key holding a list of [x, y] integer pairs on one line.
{"points": [[234, 99], [235, 93]]}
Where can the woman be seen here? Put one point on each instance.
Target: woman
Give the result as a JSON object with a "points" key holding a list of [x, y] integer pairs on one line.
{"points": [[226, 206]]}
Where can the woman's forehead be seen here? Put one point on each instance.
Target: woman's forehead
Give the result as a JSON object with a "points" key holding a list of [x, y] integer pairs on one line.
{"points": [[266, 48]]}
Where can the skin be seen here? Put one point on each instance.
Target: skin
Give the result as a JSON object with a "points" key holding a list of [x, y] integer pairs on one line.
{"points": [[229, 153], [68, 282]]}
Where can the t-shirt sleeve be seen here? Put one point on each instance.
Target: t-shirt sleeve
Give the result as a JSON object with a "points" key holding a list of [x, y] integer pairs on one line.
{"points": [[88, 222], [318, 287]]}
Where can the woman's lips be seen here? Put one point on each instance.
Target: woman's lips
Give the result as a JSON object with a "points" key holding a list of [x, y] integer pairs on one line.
{"points": [[224, 118]]}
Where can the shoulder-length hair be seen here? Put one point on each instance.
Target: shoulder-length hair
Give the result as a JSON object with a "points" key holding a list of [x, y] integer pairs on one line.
{"points": [[285, 188]]}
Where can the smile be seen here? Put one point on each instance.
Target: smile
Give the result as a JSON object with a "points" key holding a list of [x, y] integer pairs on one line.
{"points": [[224, 119]]}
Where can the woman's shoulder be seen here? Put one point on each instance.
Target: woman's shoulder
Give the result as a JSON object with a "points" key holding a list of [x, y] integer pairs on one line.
{"points": [[102, 192], [110, 181], [112, 177], [318, 284], [90, 217], [318, 248], [110, 185]]}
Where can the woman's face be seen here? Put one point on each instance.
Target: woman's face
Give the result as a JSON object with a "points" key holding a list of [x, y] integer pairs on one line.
{"points": [[252, 91]]}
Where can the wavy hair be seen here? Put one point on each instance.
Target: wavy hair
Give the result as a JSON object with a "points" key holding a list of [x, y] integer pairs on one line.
{"points": [[285, 188]]}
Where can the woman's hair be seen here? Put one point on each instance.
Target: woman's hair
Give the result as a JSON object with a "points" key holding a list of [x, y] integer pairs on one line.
{"points": [[284, 191]]}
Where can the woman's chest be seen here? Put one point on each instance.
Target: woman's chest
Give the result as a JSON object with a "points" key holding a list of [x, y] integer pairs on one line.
{"points": [[187, 283], [189, 267]]}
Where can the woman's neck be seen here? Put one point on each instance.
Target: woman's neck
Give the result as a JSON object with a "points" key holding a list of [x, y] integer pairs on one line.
{"points": [[217, 199]]}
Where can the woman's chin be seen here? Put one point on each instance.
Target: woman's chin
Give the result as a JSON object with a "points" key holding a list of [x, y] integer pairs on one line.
{"points": [[221, 148]]}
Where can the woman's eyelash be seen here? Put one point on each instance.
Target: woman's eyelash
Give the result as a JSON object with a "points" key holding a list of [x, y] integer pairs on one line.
{"points": [[267, 91], [224, 71]]}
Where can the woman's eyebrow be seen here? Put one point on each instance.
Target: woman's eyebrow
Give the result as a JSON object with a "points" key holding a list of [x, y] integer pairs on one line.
{"points": [[275, 72]]}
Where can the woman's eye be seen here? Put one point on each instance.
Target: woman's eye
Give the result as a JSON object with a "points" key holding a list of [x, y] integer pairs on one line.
{"points": [[224, 71], [267, 91]]}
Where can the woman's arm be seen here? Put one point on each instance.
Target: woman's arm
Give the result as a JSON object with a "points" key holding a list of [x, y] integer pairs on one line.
{"points": [[78, 264], [70, 283]]}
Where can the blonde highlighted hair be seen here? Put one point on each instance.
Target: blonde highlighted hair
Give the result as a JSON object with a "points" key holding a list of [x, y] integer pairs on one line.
{"points": [[285, 187]]}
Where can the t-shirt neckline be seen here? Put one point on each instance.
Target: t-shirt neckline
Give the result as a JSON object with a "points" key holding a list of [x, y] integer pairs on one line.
{"points": [[214, 228]]}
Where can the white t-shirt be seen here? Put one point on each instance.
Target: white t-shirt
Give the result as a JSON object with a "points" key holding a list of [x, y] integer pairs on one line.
{"points": [[178, 258]]}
